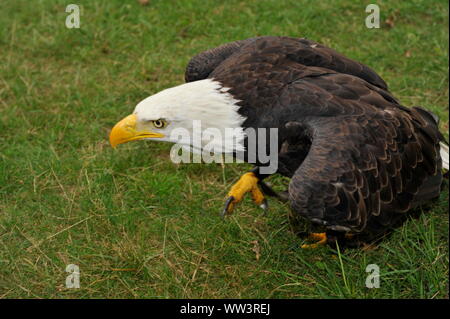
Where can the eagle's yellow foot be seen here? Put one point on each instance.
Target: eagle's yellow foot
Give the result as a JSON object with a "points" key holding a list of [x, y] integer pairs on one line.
{"points": [[320, 238], [247, 183]]}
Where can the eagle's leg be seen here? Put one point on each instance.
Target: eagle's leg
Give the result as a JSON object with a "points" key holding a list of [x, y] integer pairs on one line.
{"points": [[248, 183], [320, 238], [282, 196]]}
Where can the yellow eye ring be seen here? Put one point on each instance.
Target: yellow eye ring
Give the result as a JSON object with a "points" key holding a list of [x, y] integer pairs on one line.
{"points": [[159, 123]]}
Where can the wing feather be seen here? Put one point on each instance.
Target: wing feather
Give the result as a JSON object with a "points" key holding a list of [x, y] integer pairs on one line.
{"points": [[351, 181]]}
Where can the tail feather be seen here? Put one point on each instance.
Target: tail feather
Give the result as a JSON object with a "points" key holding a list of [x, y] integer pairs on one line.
{"points": [[444, 154]]}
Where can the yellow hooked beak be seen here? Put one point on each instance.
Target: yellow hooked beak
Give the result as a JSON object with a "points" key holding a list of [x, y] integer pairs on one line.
{"points": [[125, 131]]}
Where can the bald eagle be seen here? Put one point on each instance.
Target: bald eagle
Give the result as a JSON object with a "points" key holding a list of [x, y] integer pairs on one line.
{"points": [[357, 159]]}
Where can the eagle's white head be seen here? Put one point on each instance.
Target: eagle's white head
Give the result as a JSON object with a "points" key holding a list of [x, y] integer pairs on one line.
{"points": [[173, 113]]}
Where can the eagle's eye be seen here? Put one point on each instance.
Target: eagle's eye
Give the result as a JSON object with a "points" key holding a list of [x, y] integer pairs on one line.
{"points": [[159, 123]]}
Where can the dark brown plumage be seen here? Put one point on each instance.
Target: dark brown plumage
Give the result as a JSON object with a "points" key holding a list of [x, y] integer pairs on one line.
{"points": [[357, 159]]}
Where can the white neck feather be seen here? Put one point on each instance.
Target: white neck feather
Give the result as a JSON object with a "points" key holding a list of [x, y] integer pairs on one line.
{"points": [[204, 100]]}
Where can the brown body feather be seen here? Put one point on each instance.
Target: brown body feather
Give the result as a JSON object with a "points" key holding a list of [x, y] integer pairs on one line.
{"points": [[358, 160]]}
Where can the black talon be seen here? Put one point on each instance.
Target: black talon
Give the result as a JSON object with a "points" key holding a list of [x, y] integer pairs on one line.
{"points": [[227, 204]]}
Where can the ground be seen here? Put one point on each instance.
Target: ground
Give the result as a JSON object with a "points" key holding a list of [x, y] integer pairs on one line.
{"points": [[139, 226]]}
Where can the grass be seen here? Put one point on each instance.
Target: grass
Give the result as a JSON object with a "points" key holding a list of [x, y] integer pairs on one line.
{"points": [[139, 226]]}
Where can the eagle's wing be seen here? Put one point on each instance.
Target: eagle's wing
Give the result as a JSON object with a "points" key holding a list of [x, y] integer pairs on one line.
{"points": [[366, 169], [202, 64], [311, 53], [276, 51]]}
